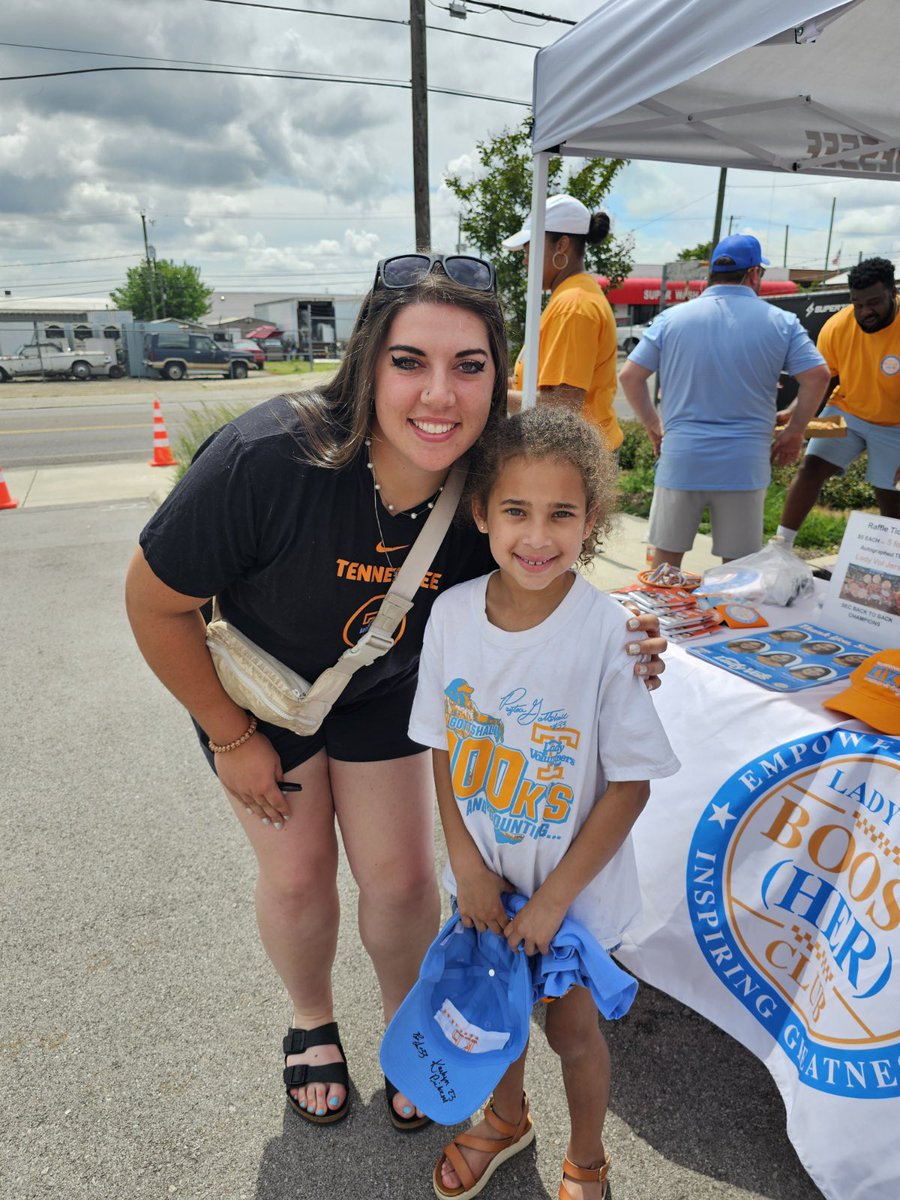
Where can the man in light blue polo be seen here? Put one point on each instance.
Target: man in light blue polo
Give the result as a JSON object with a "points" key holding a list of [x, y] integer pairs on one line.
{"points": [[719, 358]]}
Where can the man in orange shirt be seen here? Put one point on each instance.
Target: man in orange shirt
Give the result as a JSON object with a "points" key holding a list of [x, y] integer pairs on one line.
{"points": [[861, 345]]}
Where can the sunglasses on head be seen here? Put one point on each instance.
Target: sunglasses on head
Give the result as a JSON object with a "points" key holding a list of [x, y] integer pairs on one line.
{"points": [[404, 270]]}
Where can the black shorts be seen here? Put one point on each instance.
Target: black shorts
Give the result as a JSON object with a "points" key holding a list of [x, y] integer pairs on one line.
{"points": [[371, 729]]}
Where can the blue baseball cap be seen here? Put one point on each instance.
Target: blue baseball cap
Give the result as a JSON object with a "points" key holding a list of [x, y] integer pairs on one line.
{"points": [[741, 252], [464, 1022]]}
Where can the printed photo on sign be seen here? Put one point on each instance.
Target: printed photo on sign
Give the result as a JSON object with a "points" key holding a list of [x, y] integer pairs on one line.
{"points": [[863, 597], [787, 660], [872, 588]]}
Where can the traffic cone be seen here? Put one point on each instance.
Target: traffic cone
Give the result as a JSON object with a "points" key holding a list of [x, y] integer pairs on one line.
{"points": [[6, 500], [162, 454]]}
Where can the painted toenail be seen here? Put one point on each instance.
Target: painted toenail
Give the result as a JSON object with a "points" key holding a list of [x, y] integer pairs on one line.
{"points": [[334, 1102], [320, 1112], [407, 1109], [302, 1103]]}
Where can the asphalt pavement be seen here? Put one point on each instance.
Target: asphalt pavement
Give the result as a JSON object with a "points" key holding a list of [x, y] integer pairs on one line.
{"points": [[140, 1022]]}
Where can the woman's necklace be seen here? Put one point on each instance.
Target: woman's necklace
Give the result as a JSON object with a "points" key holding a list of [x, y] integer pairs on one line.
{"points": [[405, 513]]}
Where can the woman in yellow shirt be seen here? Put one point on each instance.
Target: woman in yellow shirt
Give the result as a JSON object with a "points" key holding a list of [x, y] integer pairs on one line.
{"points": [[577, 355]]}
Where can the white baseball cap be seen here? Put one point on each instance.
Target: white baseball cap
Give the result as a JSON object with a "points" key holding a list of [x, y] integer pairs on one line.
{"points": [[564, 214]]}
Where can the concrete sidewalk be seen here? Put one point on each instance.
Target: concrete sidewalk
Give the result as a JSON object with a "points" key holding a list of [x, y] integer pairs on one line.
{"points": [[88, 483]]}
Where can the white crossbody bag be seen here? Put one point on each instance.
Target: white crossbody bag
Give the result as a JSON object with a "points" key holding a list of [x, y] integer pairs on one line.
{"points": [[257, 681]]}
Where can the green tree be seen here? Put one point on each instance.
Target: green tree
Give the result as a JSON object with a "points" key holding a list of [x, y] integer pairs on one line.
{"points": [[701, 251], [171, 291], [495, 204]]}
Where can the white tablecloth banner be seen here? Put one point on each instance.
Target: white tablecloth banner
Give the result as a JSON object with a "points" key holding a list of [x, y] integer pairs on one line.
{"points": [[770, 867]]}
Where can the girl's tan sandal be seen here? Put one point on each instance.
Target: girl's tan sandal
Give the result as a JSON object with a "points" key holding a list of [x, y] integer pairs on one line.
{"points": [[513, 1139], [584, 1175]]}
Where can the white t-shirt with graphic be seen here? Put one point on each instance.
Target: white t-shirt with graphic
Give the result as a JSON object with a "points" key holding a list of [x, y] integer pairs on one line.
{"points": [[537, 723]]}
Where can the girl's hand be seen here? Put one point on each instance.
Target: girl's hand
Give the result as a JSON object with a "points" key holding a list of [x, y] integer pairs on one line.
{"points": [[535, 926], [252, 774], [650, 644], [478, 899]]}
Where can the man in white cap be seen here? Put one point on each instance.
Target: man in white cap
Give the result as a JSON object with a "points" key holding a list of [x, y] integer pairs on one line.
{"points": [[719, 359], [577, 354]]}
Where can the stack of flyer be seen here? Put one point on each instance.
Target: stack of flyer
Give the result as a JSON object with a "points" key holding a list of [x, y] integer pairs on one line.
{"points": [[681, 619]]}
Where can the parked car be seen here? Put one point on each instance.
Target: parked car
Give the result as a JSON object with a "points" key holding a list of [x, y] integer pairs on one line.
{"points": [[53, 358], [249, 346], [273, 348], [176, 354], [628, 336]]}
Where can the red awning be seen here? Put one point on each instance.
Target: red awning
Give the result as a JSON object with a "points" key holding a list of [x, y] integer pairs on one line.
{"points": [[264, 331], [640, 289]]}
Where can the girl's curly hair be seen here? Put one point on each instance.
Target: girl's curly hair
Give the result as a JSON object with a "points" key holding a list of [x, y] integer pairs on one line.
{"points": [[550, 431]]}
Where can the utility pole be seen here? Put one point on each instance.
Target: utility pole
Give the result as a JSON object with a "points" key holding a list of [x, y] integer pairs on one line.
{"points": [[786, 228], [460, 245], [828, 243], [419, 79], [720, 205], [149, 266]]}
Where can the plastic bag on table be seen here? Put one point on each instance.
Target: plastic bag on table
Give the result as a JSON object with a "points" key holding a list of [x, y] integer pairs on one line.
{"points": [[773, 575]]}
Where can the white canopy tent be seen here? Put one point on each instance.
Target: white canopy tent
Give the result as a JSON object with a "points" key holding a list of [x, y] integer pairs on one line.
{"points": [[799, 86]]}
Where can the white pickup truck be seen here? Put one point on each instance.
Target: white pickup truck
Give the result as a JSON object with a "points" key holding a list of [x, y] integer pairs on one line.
{"points": [[52, 358]]}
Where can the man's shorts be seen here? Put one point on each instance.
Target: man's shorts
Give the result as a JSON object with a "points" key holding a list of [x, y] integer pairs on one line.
{"points": [[371, 729], [737, 520], [881, 441]]}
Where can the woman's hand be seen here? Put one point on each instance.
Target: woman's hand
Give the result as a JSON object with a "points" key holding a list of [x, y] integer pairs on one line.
{"points": [[252, 773], [478, 899], [651, 644]]}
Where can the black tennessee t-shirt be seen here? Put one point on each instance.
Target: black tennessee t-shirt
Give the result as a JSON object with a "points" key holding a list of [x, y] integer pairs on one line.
{"points": [[294, 552]]}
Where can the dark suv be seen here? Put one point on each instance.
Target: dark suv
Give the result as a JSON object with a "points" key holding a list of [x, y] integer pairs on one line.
{"points": [[175, 355]]}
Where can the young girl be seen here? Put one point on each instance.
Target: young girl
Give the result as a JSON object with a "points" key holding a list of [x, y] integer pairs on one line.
{"points": [[542, 741]]}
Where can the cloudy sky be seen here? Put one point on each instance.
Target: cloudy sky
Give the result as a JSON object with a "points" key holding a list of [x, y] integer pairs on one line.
{"points": [[287, 183]]}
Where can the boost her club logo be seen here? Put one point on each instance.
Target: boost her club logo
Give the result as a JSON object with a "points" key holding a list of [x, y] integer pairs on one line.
{"points": [[793, 887]]}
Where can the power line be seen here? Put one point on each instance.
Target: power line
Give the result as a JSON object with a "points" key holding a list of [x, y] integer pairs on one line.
{"points": [[55, 262], [45, 283], [521, 12], [316, 12], [252, 72], [257, 74], [311, 12], [219, 216]]}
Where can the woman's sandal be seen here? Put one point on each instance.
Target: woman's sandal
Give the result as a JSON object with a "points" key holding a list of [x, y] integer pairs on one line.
{"points": [[301, 1074], [514, 1138], [585, 1175], [404, 1124]]}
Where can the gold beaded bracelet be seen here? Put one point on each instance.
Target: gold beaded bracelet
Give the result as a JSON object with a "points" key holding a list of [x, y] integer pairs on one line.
{"points": [[249, 732]]}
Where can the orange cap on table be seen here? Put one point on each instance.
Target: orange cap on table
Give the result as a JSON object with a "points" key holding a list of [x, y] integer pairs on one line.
{"points": [[874, 692]]}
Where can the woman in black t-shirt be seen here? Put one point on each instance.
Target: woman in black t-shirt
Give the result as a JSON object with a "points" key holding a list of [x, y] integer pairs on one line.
{"points": [[292, 515]]}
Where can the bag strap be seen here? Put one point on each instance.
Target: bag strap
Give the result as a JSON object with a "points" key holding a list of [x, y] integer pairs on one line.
{"points": [[379, 637]]}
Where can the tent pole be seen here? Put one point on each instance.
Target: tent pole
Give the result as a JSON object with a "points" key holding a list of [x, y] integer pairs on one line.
{"points": [[828, 243], [535, 277], [720, 204]]}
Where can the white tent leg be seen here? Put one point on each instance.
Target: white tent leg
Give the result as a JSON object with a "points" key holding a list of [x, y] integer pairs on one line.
{"points": [[535, 275]]}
